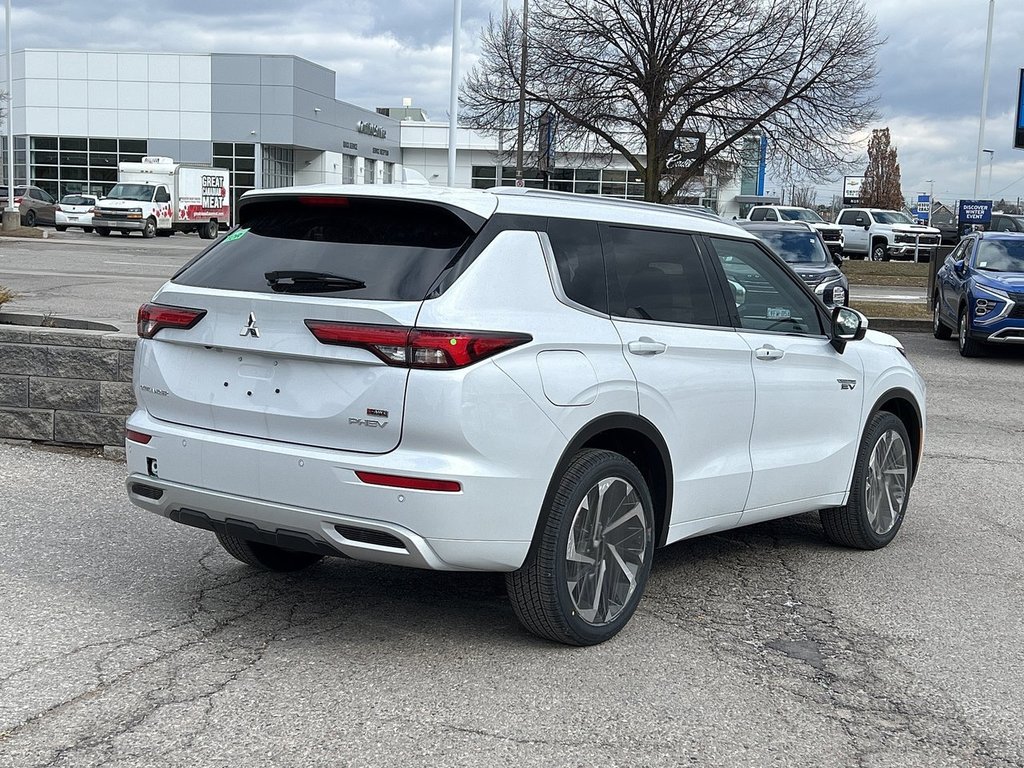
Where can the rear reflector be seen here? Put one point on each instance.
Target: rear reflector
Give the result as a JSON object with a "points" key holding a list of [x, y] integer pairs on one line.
{"points": [[137, 437], [155, 317], [417, 347], [415, 483]]}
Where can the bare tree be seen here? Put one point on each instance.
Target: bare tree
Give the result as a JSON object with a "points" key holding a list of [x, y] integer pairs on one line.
{"points": [[639, 77], [804, 197], [882, 187]]}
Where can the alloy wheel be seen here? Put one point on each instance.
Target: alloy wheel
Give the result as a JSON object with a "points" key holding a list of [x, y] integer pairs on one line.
{"points": [[605, 551], [886, 482]]}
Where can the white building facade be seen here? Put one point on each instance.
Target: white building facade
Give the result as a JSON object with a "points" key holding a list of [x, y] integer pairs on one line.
{"points": [[271, 120]]}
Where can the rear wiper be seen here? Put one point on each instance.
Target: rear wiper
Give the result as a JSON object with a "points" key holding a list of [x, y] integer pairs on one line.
{"points": [[297, 281]]}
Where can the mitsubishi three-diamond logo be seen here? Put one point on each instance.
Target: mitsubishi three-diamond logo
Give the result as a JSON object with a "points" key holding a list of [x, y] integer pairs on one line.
{"points": [[250, 328]]}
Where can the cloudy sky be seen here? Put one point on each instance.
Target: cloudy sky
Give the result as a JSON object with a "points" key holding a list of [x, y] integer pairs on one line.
{"points": [[929, 85]]}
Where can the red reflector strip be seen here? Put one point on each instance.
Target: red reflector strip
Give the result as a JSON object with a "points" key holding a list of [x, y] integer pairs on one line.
{"points": [[415, 483], [155, 317], [137, 437]]}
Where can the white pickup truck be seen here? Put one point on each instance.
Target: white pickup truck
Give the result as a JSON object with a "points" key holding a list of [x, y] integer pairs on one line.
{"points": [[159, 197], [883, 235]]}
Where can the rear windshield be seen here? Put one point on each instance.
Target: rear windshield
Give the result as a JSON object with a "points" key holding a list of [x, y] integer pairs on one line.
{"points": [[796, 247], [76, 200], [397, 248], [800, 214]]}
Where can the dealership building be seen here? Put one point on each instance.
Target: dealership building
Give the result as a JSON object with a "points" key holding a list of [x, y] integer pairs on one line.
{"points": [[272, 120]]}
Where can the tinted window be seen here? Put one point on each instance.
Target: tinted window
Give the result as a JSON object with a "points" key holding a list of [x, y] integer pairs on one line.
{"points": [[397, 248], [849, 217], [657, 276], [577, 249], [76, 200], [891, 217], [757, 214], [767, 295], [770, 215]]}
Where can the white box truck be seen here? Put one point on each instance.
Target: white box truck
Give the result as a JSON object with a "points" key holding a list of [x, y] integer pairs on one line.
{"points": [[159, 197]]}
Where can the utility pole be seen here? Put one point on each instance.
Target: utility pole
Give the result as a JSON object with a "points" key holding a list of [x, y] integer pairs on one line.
{"points": [[522, 99]]}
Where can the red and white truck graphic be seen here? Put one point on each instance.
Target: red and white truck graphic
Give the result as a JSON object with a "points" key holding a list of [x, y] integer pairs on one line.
{"points": [[159, 197]]}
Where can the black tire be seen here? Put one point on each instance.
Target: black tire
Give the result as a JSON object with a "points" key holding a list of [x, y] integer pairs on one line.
{"points": [[968, 347], [879, 250], [60, 228], [940, 330], [851, 526], [208, 230], [87, 230], [539, 590], [30, 218], [102, 231], [266, 556], [149, 230]]}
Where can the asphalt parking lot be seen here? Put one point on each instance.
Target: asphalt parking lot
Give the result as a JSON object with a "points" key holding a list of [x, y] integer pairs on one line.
{"points": [[131, 641]]}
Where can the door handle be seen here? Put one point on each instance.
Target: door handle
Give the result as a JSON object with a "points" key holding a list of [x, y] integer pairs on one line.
{"points": [[768, 352], [646, 346]]}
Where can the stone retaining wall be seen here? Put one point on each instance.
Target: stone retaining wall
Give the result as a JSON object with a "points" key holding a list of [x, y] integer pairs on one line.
{"points": [[65, 386]]}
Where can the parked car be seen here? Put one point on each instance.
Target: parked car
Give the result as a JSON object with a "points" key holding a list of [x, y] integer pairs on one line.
{"points": [[831, 234], [1006, 222], [543, 384], [883, 235], [800, 245], [34, 204], [979, 292], [75, 211]]}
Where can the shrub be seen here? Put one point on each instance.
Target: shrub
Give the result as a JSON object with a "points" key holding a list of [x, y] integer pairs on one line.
{"points": [[6, 294]]}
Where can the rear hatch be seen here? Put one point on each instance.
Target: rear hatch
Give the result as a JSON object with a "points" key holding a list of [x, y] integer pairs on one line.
{"points": [[250, 364]]}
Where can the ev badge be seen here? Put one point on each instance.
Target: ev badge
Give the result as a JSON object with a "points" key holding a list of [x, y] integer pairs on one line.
{"points": [[250, 328]]}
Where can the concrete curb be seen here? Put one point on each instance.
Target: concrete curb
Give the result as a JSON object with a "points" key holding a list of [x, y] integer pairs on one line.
{"points": [[899, 325]]}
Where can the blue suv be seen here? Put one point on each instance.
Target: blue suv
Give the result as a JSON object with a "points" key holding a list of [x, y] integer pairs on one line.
{"points": [[979, 291]]}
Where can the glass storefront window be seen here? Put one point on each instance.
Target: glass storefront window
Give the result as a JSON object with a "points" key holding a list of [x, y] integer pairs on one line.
{"points": [[75, 143], [348, 169], [103, 145]]}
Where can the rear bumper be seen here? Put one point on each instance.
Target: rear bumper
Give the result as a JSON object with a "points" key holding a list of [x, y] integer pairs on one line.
{"points": [[295, 493], [62, 219]]}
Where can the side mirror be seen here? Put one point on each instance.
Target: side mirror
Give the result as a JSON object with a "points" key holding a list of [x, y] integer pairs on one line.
{"points": [[739, 293], [837, 260], [847, 325], [958, 267]]}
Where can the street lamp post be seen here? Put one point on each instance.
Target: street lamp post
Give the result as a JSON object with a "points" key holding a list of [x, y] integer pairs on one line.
{"points": [[984, 100], [522, 99], [453, 107], [991, 155], [11, 217]]}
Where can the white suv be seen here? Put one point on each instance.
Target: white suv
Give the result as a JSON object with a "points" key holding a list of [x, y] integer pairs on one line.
{"points": [[512, 380]]}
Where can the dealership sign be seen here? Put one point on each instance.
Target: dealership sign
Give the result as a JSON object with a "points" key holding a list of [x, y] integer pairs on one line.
{"points": [[975, 212], [851, 189]]}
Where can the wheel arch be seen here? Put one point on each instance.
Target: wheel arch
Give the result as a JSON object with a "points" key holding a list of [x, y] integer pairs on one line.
{"points": [[638, 440], [902, 404]]}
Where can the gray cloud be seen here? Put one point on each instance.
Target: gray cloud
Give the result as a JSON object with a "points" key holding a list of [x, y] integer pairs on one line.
{"points": [[383, 50]]}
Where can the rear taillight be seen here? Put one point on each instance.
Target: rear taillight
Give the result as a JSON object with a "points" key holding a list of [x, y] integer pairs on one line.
{"points": [[60, 209], [415, 483], [17, 201], [137, 437], [417, 347], [155, 317]]}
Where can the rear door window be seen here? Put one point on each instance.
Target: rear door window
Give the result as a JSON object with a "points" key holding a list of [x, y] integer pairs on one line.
{"points": [[655, 275], [360, 248]]}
